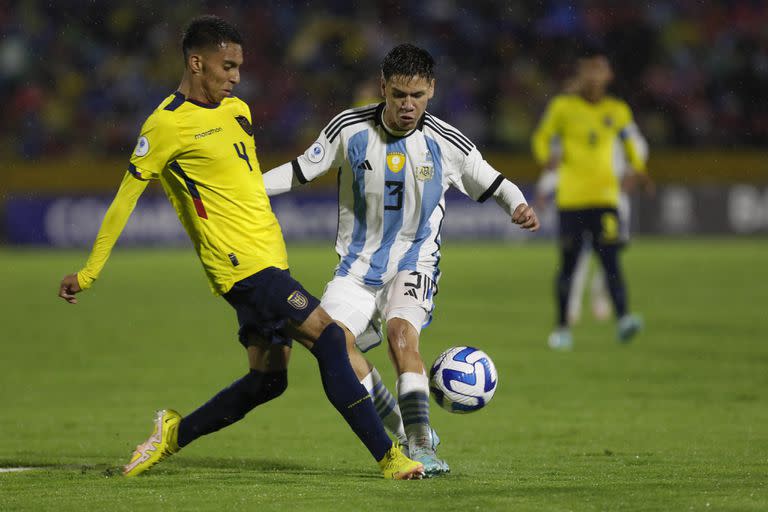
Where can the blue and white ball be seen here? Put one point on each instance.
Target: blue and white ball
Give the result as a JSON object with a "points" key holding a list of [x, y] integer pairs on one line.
{"points": [[463, 379]]}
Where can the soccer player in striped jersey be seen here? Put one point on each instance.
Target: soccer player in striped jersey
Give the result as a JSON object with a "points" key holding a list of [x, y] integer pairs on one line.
{"points": [[395, 161], [587, 124], [199, 144]]}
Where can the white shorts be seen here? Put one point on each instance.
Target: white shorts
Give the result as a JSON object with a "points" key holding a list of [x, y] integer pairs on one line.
{"points": [[361, 308]]}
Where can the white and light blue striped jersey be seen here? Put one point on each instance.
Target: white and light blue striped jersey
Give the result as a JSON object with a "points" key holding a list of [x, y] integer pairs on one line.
{"points": [[391, 189]]}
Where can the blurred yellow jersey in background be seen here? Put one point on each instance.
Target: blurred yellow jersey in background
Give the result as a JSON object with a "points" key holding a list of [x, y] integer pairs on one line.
{"points": [[587, 134]]}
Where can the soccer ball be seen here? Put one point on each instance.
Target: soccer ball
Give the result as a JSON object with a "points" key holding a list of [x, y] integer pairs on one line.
{"points": [[462, 379]]}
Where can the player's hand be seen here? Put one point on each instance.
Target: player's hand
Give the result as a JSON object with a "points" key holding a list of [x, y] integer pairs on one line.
{"points": [[69, 287], [635, 180], [525, 217]]}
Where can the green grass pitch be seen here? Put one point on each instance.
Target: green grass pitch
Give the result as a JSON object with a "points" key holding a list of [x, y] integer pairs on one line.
{"points": [[676, 421]]}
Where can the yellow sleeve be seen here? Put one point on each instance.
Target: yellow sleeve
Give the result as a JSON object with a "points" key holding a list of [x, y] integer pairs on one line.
{"points": [[542, 137], [158, 144], [635, 146], [111, 227]]}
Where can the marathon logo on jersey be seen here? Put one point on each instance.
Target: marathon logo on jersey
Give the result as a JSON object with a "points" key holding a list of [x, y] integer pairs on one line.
{"points": [[245, 124], [142, 146], [298, 300], [395, 162], [209, 132], [315, 153]]}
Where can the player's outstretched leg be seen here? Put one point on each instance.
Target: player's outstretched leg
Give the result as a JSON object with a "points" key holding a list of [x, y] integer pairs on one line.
{"points": [[162, 443], [351, 399], [389, 411], [386, 407], [385, 404], [231, 404]]}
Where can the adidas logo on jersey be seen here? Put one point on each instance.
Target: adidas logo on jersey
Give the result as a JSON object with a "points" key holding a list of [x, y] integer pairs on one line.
{"points": [[366, 166]]}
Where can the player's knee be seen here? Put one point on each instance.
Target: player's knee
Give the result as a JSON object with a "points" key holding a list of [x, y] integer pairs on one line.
{"points": [[403, 340], [331, 341], [320, 318], [275, 384]]}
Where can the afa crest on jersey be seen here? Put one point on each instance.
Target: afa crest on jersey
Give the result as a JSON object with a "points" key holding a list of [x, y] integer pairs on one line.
{"points": [[395, 162], [426, 170]]}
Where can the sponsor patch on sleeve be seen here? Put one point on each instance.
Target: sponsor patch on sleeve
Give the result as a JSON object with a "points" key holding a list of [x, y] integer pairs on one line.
{"points": [[142, 146], [315, 153]]}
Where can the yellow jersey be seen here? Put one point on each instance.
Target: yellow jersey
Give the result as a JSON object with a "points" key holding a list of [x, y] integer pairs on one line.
{"points": [[587, 133], [205, 158]]}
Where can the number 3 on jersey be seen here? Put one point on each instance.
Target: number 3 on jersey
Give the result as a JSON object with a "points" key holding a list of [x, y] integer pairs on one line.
{"points": [[394, 195], [242, 153]]}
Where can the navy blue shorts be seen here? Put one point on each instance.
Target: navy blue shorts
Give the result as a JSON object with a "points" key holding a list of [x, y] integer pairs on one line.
{"points": [[266, 301], [602, 224]]}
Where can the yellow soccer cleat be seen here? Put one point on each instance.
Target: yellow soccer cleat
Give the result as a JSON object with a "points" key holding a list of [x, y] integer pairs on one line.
{"points": [[396, 466], [161, 444]]}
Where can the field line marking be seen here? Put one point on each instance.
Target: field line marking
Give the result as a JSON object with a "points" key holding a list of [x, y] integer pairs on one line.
{"points": [[17, 469]]}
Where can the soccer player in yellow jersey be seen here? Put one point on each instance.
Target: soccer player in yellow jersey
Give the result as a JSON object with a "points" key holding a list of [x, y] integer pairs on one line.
{"points": [[586, 125], [199, 144]]}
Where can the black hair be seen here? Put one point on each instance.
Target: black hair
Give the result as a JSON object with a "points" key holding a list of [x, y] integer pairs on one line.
{"points": [[408, 60], [206, 32]]}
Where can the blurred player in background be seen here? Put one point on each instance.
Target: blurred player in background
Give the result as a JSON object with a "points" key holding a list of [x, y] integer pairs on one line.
{"points": [[577, 137], [395, 162], [600, 298], [199, 144]]}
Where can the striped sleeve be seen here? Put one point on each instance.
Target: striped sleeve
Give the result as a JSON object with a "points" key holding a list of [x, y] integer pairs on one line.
{"points": [[326, 152]]}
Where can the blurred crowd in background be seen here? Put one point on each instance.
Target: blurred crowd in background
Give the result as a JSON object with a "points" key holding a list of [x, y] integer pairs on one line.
{"points": [[81, 76]]}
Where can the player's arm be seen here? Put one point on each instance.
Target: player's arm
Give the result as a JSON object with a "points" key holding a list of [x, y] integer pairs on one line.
{"points": [[636, 150], [547, 131], [322, 156], [114, 221], [478, 180], [157, 145]]}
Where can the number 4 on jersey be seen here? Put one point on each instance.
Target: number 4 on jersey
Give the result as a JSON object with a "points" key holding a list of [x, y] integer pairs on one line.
{"points": [[242, 153]]}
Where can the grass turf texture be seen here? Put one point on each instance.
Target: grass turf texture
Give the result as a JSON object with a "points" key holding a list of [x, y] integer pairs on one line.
{"points": [[676, 421]]}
